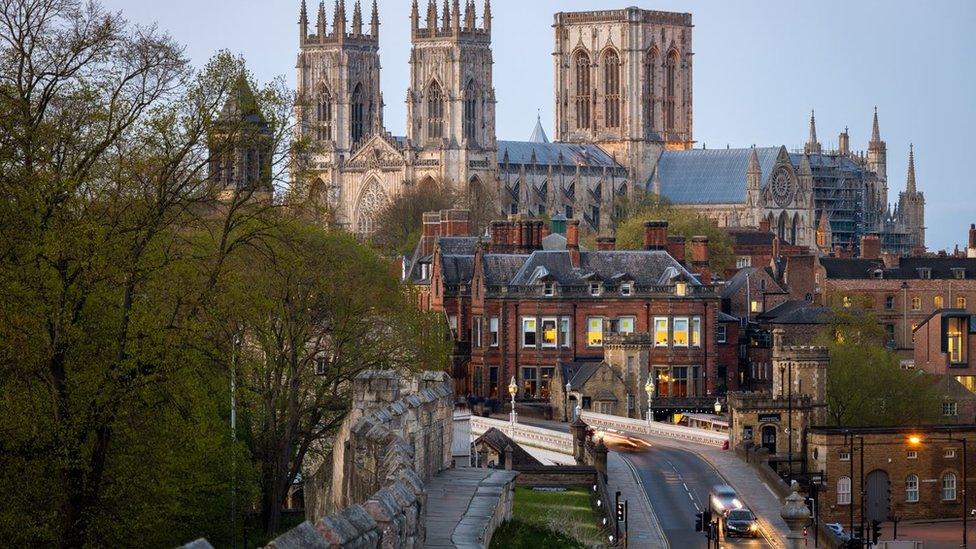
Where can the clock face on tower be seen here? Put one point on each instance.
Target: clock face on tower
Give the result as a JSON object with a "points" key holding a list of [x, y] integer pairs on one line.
{"points": [[783, 187]]}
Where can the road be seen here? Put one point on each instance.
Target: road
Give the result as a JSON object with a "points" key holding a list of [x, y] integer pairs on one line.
{"points": [[677, 482]]}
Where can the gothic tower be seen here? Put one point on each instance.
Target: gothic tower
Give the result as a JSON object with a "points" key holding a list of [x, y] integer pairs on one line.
{"points": [[623, 80], [240, 145], [911, 206], [451, 98], [877, 162], [812, 146], [339, 86]]}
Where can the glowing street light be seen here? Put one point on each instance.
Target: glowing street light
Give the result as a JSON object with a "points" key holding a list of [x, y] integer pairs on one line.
{"points": [[512, 389]]}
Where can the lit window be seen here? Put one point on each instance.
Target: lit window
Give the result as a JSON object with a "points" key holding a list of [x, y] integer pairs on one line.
{"points": [[696, 331], [955, 340], [594, 331], [911, 488], [493, 331], [755, 306], [720, 334], [949, 408], [681, 332], [549, 332], [847, 301], [661, 332], [916, 303], [564, 332], [625, 325], [938, 302], [949, 487], [594, 288], [548, 289], [960, 302], [911, 454], [844, 491], [949, 453], [528, 332], [626, 288], [845, 456]]}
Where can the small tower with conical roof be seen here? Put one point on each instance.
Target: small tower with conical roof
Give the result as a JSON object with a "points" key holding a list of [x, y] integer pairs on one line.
{"points": [[812, 146], [911, 206], [240, 144]]}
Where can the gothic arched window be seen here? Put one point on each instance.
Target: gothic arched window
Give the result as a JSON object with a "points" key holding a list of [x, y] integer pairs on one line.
{"points": [[650, 81], [582, 98], [782, 228], [470, 114], [794, 229], [670, 89], [371, 201], [435, 111], [611, 89], [358, 118], [323, 115]]}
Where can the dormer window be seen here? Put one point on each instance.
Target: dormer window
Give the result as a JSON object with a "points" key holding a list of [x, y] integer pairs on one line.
{"points": [[925, 273], [877, 273], [627, 288], [595, 289], [548, 289], [680, 288], [959, 273]]}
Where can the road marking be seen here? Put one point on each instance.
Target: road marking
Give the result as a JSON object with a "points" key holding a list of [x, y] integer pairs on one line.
{"points": [[766, 486], [647, 500]]}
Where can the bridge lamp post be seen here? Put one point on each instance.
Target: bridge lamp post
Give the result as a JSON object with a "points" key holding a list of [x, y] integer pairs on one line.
{"points": [[569, 388], [512, 389], [649, 389], [718, 407]]}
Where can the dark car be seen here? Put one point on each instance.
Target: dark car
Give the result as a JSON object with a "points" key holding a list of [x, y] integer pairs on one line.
{"points": [[741, 522]]}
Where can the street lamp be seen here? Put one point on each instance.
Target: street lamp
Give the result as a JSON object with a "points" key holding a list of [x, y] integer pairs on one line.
{"points": [[916, 440], [649, 389], [569, 388], [512, 389], [718, 407]]}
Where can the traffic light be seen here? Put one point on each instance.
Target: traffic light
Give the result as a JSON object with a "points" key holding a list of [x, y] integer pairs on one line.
{"points": [[875, 531], [620, 511], [699, 522]]}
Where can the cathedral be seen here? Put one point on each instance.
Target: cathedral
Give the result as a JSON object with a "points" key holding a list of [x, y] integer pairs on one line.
{"points": [[623, 121]]}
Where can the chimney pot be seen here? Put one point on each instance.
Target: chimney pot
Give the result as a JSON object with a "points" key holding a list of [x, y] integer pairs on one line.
{"points": [[870, 246], [676, 248], [606, 243], [655, 234]]}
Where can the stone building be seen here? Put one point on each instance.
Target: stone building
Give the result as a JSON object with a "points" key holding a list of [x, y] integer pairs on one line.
{"points": [[239, 144], [495, 449]]}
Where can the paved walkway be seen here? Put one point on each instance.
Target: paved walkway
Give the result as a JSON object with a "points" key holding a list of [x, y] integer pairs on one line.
{"points": [[645, 531], [463, 504]]}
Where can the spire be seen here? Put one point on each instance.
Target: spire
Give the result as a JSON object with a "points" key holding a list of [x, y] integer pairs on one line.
{"points": [[339, 19], [456, 17], [487, 16], [302, 23], [875, 132], [469, 15], [753, 163], [812, 145], [374, 24], [431, 16], [538, 133], [415, 16], [320, 23], [357, 19], [446, 18], [910, 185]]}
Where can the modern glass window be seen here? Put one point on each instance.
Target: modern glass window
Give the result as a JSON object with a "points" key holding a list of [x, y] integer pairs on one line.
{"points": [[911, 488], [661, 332], [949, 487], [549, 332], [916, 303], [565, 335], [528, 332], [680, 337], [844, 491], [955, 339], [696, 331], [938, 302], [493, 331], [594, 331]]}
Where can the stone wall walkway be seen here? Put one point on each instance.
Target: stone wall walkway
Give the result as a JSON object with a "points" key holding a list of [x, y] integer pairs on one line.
{"points": [[465, 505]]}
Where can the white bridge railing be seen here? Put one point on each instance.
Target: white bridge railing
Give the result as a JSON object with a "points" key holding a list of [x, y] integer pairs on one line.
{"points": [[639, 426], [526, 435]]}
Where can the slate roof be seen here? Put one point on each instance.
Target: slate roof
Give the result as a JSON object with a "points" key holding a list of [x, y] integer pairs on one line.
{"points": [[645, 268], [733, 284], [796, 312], [538, 133], [554, 241], [499, 440], [710, 176], [457, 269], [723, 317], [907, 269], [578, 372], [499, 269], [750, 237], [457, 245], [555, 154]]}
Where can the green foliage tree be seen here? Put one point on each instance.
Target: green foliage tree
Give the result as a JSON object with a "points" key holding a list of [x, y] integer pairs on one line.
{"points": [[866, 385], [399, 222], [634, 210]]}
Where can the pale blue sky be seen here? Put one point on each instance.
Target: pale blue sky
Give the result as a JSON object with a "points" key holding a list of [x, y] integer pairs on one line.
{"points": [[759, 69]]}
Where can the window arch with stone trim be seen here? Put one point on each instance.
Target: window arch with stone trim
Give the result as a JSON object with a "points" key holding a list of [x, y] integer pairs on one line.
{"points": [[650, 88], [611, 88], [323, 114], [371, 200], [470, 112], [435, 110], [357, 108], [670, 89], [581, 96], [844, 491]]}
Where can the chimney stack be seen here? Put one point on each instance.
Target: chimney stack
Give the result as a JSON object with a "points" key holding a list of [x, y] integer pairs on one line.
{"points": [[676, 247], [572, 241], [971, 249], [606, 243], [455, 223], [870, 246], [764, 225], [430, 232], [655, 235], [699, 258]]}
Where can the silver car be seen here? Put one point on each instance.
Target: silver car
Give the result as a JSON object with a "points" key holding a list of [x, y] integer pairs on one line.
{"points": [[723, 499]]}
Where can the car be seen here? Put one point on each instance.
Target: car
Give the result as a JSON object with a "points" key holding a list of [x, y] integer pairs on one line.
{"points": [[838, 529], [741, 523], [723, 499]]}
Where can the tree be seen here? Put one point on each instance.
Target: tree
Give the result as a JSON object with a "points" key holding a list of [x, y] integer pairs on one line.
{"points": [[866, 385], [314, 309], [399, 222], [633, 211]]}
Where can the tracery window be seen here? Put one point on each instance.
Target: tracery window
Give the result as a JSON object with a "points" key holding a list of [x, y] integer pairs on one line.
{"points": [[582, 99], [371, 202], [357, 127], [611, 89], [435, 111], [470, 114], [323, 116], [650, 73], [670, 89]]}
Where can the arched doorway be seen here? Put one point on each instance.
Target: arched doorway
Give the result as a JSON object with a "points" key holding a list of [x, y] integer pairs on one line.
{"points": [[769, 438], [877, 507]]}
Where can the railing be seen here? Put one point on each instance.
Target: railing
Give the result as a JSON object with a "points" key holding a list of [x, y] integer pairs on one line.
{"points": [[526, 435], [701, 436]]}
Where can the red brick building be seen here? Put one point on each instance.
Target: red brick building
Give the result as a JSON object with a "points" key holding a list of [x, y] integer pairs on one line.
{"points": [[945, 344]]}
